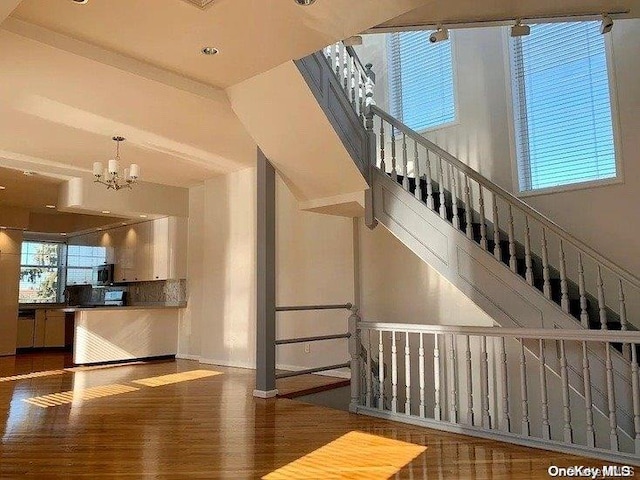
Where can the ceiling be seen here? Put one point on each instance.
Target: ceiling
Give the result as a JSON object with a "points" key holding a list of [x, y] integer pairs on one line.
{"points": [[75, 75], [32, 192]]}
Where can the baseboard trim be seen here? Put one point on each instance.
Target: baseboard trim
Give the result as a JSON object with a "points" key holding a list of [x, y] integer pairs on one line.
{"points": [[227, 363], [265, 394], [188, 357]]}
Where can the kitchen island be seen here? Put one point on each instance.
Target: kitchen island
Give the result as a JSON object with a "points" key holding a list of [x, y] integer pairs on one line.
{"points": [[118, 334]]}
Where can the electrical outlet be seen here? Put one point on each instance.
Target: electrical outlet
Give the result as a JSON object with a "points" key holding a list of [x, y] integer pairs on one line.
{"points": [[307, 348]]}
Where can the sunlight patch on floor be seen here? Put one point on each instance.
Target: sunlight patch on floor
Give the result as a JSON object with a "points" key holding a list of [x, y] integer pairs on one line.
{"points": [[55, 399], [354, 455], [26, 376], [175, 378]]}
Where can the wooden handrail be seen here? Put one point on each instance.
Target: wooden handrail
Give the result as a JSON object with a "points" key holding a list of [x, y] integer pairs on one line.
{"points": [[508, 197], [611, 336], [299, 308]]}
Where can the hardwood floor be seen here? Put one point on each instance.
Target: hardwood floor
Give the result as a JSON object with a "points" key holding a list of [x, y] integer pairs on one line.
{"points": [[208, 427]]}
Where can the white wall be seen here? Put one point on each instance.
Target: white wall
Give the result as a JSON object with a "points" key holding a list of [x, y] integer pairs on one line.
{"points": [[314, 262], [481, 137], [397, 286]]}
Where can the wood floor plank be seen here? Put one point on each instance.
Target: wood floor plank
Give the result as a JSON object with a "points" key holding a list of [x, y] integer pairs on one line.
{"points": [[212, 428]]}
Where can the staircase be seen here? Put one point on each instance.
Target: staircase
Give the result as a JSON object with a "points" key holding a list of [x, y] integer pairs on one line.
{"points": [[517, 265]]}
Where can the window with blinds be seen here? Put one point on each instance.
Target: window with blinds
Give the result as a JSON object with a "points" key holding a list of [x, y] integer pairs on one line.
{"points": [[562, 106], [421, 88]]}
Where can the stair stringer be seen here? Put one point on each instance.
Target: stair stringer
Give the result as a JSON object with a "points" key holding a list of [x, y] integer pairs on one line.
{"points": [[503, 295]]}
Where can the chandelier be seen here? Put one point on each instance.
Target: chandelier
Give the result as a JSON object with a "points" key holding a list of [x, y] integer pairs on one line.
{"points": [[111, 176]]}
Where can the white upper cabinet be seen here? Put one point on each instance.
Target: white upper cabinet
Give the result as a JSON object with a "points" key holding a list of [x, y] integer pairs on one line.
{"points": [[145, 251]]}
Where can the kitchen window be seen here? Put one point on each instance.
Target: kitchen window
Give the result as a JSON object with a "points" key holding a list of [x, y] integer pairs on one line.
{"points": [[562, 101], [41, 272], [421, 80], [80, 262]]}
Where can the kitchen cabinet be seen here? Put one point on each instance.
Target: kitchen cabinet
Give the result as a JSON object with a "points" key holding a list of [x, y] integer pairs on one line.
{"points": [[26, 329], [154, 250], [168, 255], [48, 329]]}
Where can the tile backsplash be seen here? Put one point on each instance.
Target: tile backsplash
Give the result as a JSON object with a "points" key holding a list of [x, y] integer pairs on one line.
{"points": [[169, 292]]}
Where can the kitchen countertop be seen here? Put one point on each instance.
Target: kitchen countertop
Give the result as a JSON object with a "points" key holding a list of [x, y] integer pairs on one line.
{"points": [[148, 306]]}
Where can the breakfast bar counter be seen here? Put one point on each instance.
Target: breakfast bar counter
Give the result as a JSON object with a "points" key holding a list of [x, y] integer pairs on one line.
{"points": [[118, 334]]}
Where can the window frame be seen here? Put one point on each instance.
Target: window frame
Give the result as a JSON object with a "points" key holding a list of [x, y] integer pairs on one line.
{"points": [[454, 83], [615, 123], [61, 267], [76, 267]]}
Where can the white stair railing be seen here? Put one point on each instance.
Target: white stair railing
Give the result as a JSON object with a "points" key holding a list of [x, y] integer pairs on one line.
{"points": [[584, 283], [455, 379]]}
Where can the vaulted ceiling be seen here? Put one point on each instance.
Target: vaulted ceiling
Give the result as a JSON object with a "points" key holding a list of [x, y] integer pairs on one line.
{"points": [[74, 75]]}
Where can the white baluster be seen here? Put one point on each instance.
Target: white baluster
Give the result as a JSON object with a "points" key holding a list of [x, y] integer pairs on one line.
{"points": [[443, 205], [368, 379], [564, 288], [626, 349], [566, 407], [611, 400], [394, 170], [407, 375], [453, 376], [383, 167], [394, 373], [497, 249], [470, 419], [527, 252], [344, 67], [483, 225], [427, 173], [437, 410], [380, 371], [352, 71], [468, 208], [523, 392], [484, 379], [602, 307], [504, 379], [405, 162], [584, 316], [416, 171], [635, 392], [513, 260], [421, 375], [546, 286], [544, 397], [335, 58], [454, 198], [588, 402]]}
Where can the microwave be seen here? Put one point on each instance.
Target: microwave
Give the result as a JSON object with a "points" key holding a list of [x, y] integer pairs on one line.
{"points": [[103, 275]]}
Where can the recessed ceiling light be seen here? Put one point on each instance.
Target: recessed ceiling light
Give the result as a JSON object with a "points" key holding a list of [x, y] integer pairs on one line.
{"points": [[143, 216], [210, 51], [99, 229], [63, 234], [304, 3], [80, 2], [106, 211], [50, 206], [124, 223], [28, 173], [2, 187]]}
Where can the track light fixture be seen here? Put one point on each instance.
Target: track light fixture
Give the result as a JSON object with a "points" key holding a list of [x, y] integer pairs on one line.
{"points": [[520, 30], [607, 24], [439, 35]]}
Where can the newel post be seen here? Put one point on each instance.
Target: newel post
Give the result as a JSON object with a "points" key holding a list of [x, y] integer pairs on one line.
{"points": [[354, 351], [372, 153]]}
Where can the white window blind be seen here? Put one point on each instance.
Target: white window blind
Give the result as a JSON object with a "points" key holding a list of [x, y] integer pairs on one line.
{"points": [[420, 80], [562, 106]]}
